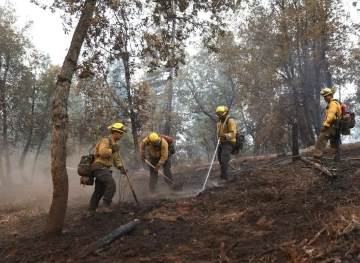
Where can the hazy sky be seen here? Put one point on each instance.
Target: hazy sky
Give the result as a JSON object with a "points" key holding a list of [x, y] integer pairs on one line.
{"points": [[46, 33]]}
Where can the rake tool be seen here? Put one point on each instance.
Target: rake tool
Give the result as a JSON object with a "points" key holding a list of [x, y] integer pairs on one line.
{"points": [[176, 187], [127, 177]]}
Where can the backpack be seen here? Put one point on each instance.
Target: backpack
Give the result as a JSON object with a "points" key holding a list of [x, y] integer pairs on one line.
{"points": [[170, 141], [240, 139], [346, 121], [84, 167]]}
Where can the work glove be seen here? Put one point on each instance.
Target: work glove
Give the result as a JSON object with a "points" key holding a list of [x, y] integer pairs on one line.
{"points": [[115, 148], [122, 169], [323, 128], [156, 168], [221, 134], [142, 156]]}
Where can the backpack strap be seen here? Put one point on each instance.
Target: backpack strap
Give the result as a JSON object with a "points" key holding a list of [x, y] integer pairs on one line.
{"points": [[98, 143]]}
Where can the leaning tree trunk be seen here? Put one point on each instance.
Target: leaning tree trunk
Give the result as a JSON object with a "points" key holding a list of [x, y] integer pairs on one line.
{"points": [[56, 218]]}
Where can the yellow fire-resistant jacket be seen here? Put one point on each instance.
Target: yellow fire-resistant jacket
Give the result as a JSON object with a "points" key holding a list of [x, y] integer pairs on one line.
{"points": [[333, 112], [229, 128], [103, 153], [158, 151]]}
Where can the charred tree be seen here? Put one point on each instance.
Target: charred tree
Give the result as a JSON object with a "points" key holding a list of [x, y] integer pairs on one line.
{"points": [[56, 218]]}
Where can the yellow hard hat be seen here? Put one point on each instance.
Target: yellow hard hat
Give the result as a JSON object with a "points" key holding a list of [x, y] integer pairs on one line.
{"points": [[327, 91], [119, 127], [221, 111], [154, 138]]}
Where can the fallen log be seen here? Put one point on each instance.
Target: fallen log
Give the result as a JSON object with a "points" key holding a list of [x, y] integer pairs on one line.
{"points": [[122, 230], [317, 166]]}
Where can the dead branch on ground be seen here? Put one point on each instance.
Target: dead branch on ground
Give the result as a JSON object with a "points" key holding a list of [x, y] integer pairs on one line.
{"points": [[326, 252], [317, 236], [277, 247], [317, 166]]}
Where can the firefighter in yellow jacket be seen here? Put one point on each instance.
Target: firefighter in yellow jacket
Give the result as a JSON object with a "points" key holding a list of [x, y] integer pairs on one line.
{"points": [[106, 155], [330, 128], [158, 156], [226, 133]]}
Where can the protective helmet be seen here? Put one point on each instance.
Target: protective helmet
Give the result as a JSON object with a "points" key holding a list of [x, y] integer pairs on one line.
{"points": [[119, 127], [154, 138], [327, 91], [221, 111]]}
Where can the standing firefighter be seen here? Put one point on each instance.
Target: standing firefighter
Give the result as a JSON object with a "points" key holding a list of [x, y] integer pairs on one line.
{"points": [[226, 133], [330, 128], [158, 156], [106, 155]]}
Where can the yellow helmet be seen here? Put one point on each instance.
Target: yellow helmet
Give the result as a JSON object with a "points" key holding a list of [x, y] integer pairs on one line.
{"points": [[327, 91], [119, 127], [154, 138], [221, 111]]}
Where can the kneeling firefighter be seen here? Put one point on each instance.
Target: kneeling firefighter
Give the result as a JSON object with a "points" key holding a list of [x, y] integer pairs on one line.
{"points": [[330, 129], [158, 156], [106, 155], [226, 133]]}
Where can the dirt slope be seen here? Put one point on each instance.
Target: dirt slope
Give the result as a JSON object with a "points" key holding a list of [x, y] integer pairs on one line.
{"points": [[265, 213]]}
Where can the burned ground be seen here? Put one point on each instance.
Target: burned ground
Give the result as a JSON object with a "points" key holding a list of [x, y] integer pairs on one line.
{"points": [[266, 212]]}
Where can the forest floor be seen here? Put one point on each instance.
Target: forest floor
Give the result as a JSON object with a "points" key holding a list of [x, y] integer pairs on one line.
{"points": [[266, 212]]}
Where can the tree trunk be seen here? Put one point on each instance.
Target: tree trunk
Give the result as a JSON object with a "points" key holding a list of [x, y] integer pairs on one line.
{"points": [[133, 115], [37, 155], [170, 81], [295, 141], [56, 218], [2, 177], [29, 139], [3, 107]]}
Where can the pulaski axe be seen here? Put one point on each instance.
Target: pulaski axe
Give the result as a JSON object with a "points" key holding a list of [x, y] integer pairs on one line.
{"points": [[176, 186]]}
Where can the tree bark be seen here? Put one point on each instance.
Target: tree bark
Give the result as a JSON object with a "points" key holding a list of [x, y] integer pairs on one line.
{"points": [[56, 218]]}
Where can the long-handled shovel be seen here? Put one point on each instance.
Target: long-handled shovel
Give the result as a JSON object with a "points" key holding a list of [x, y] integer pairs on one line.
{"points": [[127, 177], [176, 187], [212, 161]]}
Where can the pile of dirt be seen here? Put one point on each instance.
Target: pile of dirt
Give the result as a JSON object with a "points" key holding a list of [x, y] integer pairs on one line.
{"points": [[269, 211]]}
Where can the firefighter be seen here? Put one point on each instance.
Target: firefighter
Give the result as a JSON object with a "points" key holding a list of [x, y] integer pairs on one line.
{"points": [[106, 155], [158, 156], [330, 128], [226, 133]]}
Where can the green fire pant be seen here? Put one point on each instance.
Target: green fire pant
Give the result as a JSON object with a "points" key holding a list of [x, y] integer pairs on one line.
{"points": [[154, 174], [334, 137], [105, 187]]}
